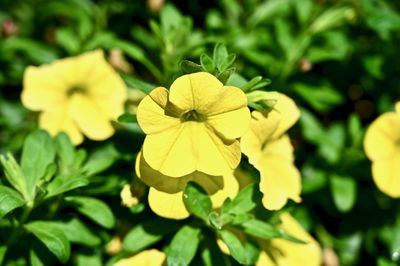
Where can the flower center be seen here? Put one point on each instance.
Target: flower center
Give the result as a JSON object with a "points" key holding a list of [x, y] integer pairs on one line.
{"points": [[193, 115], [76, 89]]}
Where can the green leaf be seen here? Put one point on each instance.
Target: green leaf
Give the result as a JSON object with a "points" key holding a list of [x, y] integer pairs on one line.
{"points": [[228, 62], [312, 128], [52, 237], [260, 229], [207, 63], [127, 118], [65, 152], [100, 160], [64, 183], [134, 82], [148, 233], [3, 251], [189, 67], [243, 202], [224, 76], [246, 254], [37, 155], [66, 38], [94, 209], [344, 190], [78, 232], [220, 55], [9, 200], [183, 246], [15, 176], [197, 201], [211, 254]]}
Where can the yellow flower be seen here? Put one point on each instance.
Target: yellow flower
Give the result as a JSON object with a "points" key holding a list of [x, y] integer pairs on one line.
{"points": [[286, 253], [166, 192], [382, 146], [77, 95], [269, 150], [194, 126], [151, 257]]}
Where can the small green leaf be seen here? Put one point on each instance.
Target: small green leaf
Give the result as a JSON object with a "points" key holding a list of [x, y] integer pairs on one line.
{"points": [[65, 152], [344, 190], [14, 175], [228, 62], [260, 229], [224, 76], [64, 183], [127, 118], [100, 160], [9, 200], [207, 63], [147, 233], [220, 55], [246, 254], [134, 82], [243, 202], [78, 232], [3, 251], [52, 237], [183, 246], [94, 209], [211, 254], [189, 67], [37, 155], [197, 201]]}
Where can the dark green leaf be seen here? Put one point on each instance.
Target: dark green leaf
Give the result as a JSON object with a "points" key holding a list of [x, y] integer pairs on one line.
{"points": [[94, 209], [147, 233], [344, 190], [64, 183], [3, 251], [211, 254], [9, 200], [52, 237], [246, 254], [224, 76], [183, 246], [127, 118], [37, 155], [197, 201], [78, 232], [100, 160], [134, 82], [189, 67]]}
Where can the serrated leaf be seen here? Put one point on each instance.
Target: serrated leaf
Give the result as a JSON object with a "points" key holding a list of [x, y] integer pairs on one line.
{"points": [[183, 246], [9, 200], [197, 201], [52, 237], [37, 155], [147, 233], [95, 209], [65, 183]]}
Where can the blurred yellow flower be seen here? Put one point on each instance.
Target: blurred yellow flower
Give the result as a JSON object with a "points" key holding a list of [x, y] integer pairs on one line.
{"points": [[194, 126], [77, 95], [382, 146], [270, 151], [151, 257], [286, 253], [166, 192]]}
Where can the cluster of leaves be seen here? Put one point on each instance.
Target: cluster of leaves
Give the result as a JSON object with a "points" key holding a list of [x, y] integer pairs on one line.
{"points": [[333, 60]]}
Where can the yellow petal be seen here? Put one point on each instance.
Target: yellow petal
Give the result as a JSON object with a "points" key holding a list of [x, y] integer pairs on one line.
{"points": [[397, 107], [229, 190], [57, 120], [192, 146], [232, 124], [382, 137], [127, 199], [265, 260], [151, 257], [262, 127], [194, 91], [293, 254], [289, 112], [279, 178], [43, 88], [151, 114], [88, 117], [386, 174], [167, 205]]}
